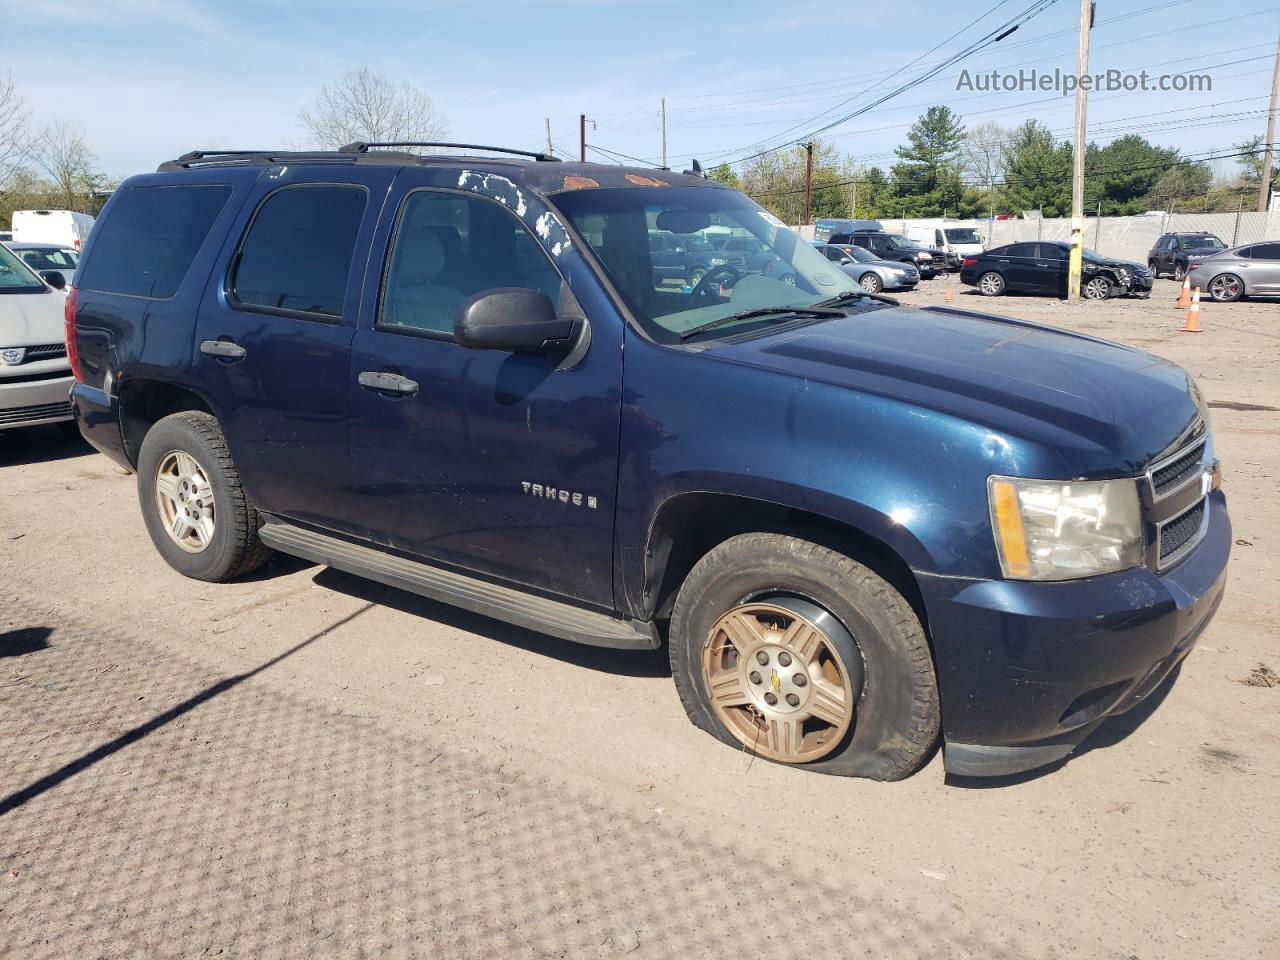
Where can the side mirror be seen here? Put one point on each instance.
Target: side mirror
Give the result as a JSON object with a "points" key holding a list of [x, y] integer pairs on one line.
{"points": [[54, 278], [513, 319], [846, 260]]}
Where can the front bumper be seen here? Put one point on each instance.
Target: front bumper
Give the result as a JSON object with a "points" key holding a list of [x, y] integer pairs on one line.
{"points": [[1028, 670], [28, 403]]}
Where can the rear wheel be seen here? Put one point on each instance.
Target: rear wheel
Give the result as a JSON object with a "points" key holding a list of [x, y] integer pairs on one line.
{"points": [[803, 656], [192, 502], [871, 282], [1226, 288], [991, 284]]}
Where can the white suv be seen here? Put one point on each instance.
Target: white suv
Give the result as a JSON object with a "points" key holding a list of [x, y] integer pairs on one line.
{"points": [[35, 377]]}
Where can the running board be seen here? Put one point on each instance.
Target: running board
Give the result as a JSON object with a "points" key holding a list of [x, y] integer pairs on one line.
{"points": [[479, 596]]}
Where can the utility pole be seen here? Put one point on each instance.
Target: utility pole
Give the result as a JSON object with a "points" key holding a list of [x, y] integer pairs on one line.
{"points": [[853, 206], [664, 133], [1077, 157], [582, 137], [1264, 187], [808, 181], [550, 149]]}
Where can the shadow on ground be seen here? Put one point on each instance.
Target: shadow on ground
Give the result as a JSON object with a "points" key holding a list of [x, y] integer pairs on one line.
{"points": [[16, 643], [630, 663], [40, 445], [241, 821]]}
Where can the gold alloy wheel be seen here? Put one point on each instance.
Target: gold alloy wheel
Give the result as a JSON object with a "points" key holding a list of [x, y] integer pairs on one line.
{"points": [[184, 498], [777, 682]]}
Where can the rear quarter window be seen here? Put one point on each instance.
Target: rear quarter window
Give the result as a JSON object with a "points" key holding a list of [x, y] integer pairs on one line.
{"points": [[145, 245]]}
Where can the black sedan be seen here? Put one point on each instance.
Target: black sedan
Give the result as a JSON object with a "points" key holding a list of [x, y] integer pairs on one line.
{"points": [[1042, 268]]}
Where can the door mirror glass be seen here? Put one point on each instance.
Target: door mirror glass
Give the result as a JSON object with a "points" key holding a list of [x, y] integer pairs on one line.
{"points": [[513, 319], [54, 278]]}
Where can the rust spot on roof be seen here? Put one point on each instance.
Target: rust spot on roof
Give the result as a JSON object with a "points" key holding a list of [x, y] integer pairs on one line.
{"points": [[640, 181], [579, 183]]}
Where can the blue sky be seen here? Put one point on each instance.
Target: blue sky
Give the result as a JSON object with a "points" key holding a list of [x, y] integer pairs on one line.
{"points": [[148, 80]]}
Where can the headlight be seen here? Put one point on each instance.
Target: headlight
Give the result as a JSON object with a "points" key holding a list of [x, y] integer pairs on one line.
{"points": [[717, 262], [1051, 530]]}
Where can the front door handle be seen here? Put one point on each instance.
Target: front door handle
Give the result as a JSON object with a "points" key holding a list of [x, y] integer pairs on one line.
{"points": [[223, 349], [383, 382]]}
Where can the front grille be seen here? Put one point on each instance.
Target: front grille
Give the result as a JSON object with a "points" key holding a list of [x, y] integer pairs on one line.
{"points": [[1180, 534], [40, 411], [1169, 475], [45, 351]]}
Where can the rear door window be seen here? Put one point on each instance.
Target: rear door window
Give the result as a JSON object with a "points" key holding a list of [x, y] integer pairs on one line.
{"points": [[1021, 250], [296, 255], [1267, 251], [145, 245]]}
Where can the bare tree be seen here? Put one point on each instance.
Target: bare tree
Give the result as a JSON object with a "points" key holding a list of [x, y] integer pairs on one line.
{"points": [[983, 153], [13, 129], [364, 105], [60, 152]]}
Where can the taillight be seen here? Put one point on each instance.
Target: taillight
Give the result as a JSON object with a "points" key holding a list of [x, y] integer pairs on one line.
{"points": [[69, 332], [969, 261]]}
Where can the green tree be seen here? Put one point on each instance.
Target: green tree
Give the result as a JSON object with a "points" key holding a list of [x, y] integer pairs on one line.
{"points": [[927, 177], [1037, 172], [1186, 187], [723, 173], [1122, 173], [776, 181]]}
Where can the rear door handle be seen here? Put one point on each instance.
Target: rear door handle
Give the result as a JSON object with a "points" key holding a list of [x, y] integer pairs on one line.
{"points": [[223, 349], [383, 382]]}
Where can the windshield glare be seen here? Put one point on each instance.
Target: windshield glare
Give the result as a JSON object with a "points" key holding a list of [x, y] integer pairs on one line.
{"points": [[15, 276], [962, 235], [1210, 243], [742, 257]]}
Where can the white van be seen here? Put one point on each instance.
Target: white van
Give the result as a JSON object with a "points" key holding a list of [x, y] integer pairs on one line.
{"points": [[958, 238], [66, 228]]}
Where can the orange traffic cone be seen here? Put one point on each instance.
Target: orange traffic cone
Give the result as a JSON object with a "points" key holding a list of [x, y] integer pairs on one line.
{"points": [[1193, 314], [949, 296], [1184, 300]]}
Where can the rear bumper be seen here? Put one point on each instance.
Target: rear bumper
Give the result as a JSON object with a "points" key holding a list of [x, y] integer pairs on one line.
{"points": [[98, 415], [1028, 670], [34, 402]]}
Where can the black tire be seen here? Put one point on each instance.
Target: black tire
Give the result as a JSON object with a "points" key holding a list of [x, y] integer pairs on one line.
{"points": [[234, 548], [871, 282], [1098, 288], [695, 276], [1179, 271], [1226, 288], [991, 284], [1154, 268], [897, 714]]}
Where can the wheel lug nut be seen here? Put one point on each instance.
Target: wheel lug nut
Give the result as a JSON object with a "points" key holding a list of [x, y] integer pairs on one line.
{"points": [[762, 658], [770, 699], [784, 658], [799, 679], [755, 677], [793, 700]]}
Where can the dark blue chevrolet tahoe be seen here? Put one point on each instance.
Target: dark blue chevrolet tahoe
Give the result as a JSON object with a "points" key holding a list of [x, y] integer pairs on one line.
{"points": [[858, 527]]}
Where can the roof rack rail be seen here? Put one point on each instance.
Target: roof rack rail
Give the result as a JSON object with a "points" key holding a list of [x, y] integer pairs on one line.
{"points": [[362, 147], [197, 157]]}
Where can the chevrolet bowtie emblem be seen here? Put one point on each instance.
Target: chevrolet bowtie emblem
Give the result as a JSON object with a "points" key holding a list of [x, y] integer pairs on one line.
{"points": [[777, 684]]}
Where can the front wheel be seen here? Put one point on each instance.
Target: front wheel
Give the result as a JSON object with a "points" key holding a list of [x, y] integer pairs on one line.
{"points": [[804, 656], [871, 282], [192, 502], [1099, 288], [1154, 268], [1179, 271]]}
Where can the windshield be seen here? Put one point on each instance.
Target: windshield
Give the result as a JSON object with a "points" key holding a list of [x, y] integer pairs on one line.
{"points": [[860, 255], [16, 276], [1211, 243], [962, 235], [754, 261], [49, 258]]}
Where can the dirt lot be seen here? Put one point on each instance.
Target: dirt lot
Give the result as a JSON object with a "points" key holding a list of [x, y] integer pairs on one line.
{"points": [[305, 764]]}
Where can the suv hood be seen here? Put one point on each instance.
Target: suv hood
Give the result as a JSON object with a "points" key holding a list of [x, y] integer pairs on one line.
{"points": [[1107, 410], [30, 318]]}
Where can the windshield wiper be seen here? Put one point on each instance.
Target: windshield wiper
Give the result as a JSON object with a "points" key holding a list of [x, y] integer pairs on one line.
{"points": [[857, 295], [817, 310]]}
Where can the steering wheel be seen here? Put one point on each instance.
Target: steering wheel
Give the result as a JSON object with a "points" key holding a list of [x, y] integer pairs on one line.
{"points": [[702, 286]]}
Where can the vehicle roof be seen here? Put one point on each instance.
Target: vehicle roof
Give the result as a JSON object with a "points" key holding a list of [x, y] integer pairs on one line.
{"points": [[33, 245], [542, 173]]}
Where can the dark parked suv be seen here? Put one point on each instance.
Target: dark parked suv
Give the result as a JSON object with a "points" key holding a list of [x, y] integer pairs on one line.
{"points": [[897, 248], [1176, 253], [853, 525]]}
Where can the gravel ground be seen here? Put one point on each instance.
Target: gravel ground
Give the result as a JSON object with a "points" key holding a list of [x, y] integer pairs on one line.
{"points": [[303, 763]]}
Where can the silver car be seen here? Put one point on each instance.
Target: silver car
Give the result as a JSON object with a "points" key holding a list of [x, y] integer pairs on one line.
{"points": [[871, 273], [1252, 270]]}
